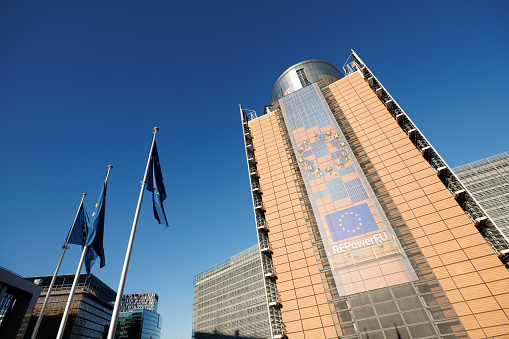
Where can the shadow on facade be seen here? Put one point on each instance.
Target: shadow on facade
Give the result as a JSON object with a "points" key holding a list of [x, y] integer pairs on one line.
{"points": [[51, 323], [217, 335]]}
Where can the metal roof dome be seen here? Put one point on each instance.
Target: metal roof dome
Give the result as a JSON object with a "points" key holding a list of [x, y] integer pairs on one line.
{"points": [[303, 74]]}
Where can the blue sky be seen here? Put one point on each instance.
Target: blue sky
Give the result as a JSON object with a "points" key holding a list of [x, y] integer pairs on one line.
{"points": [[83, 83]]}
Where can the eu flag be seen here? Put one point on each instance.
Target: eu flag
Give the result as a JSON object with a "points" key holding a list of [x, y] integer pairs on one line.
{"points": [[96, 233], [79, 232], [155, 184], [351, 222]]}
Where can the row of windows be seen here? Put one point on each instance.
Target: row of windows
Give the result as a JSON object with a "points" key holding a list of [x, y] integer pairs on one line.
{"points": [[497, 201], [230, 284], [232, 305], [223, 277], [487, 183], [246, 294], [254, 321]]}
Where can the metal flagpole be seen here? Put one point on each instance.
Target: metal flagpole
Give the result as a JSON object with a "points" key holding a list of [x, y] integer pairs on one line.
{"points": [[121, 285], [71, 294], [39, 319], [76, 279]]}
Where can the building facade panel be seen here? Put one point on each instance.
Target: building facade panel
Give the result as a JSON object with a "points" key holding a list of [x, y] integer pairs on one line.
{"points": [[288, 233], [488, 180], [230, 299], [17, 301], [450, 252], [90, 312]]}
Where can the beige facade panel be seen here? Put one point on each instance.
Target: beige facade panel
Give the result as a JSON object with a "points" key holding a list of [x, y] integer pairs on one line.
{"points": [[299, 283], [462, 261]]}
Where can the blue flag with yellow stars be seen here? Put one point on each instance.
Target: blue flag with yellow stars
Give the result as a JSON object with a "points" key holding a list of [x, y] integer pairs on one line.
{"points": [[155, 184], [351, 222], [96, 233], [79, 232]]}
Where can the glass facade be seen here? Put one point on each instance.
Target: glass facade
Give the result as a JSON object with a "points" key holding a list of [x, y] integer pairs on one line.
{"points": [[132, 302], [17, 301], [138, 317], [229, 299], [354, 230], [488, 181], [90, 312], [139, 324]]}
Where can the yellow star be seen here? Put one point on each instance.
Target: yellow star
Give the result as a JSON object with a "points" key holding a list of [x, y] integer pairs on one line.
{"points": [[93, 214], [96, 205], [360, 224]]}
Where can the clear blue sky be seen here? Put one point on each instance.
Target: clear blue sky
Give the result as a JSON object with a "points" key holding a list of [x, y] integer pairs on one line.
{"points": [[82, 84]]}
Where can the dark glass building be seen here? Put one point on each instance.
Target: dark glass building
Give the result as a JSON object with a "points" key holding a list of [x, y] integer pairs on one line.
{"points": [[17, 302], [138, 317], [90, 312]]}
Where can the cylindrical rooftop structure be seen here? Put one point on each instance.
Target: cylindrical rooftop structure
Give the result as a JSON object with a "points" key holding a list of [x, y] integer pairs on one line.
{"points": [[303, 74]]}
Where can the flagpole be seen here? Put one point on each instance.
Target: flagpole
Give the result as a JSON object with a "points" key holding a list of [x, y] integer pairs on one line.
{"points": [[64, 248], [76, 279], [121, 285]]}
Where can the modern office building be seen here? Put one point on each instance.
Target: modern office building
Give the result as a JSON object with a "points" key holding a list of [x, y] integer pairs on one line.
{"points": [[148, 301], [488, 181], [369, 230], [230, 300], [138, 318], [90, 312], [17, 302]]}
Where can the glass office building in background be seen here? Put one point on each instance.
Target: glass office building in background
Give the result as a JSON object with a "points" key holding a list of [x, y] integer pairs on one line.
{"points": [[90, 312], [229, 299], [364, 230], [488, 181], [138, 318]]}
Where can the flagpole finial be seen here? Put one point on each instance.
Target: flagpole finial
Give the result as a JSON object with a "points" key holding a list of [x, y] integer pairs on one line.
{"points": [[156, 129], [110, 166], [84, 194]]}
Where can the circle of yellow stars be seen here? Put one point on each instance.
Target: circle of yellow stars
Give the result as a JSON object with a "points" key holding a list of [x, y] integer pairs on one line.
{"points": [[317, 170], [348, 231]]}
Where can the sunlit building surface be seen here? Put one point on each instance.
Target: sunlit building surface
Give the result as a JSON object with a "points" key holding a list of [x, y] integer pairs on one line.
{"points": [[138, 318], [488, 181], [17, 301], [148, 301], [364, 230], [230, 301], [90, 312]]}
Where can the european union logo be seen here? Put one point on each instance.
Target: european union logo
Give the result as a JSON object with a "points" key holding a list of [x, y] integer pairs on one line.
{"points": [[351, 222]]}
